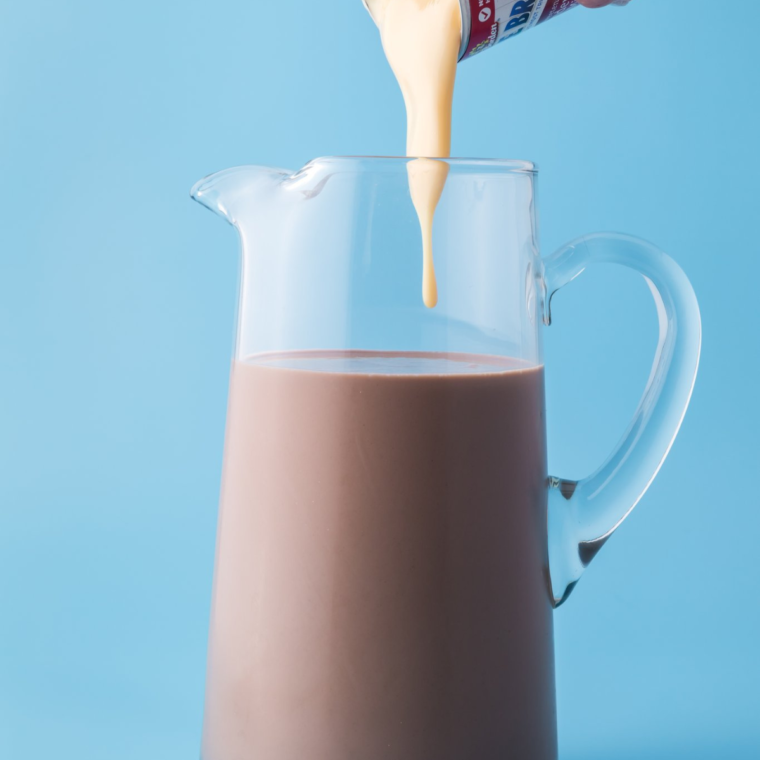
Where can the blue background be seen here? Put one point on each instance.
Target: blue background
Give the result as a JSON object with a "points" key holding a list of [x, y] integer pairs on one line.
{"points": [[116, 310]]}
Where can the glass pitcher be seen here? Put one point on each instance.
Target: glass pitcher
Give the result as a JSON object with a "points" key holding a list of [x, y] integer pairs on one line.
{"points": [[390, 544]]}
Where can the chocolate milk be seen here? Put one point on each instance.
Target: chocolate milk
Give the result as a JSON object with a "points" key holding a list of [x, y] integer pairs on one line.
{"points": [[381, 580]]}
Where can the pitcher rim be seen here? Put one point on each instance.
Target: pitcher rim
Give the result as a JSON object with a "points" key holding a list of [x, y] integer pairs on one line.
{"points": [[507, 164]]}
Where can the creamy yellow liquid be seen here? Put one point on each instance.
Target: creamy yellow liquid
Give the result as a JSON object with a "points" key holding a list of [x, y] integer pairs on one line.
{"points": [[421, 39]]}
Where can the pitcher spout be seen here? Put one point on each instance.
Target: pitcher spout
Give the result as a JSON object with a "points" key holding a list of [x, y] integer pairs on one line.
{"points": [[226, 192]]}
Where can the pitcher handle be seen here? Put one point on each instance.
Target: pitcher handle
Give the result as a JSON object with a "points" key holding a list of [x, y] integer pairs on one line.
{"points": [[584, 514]]}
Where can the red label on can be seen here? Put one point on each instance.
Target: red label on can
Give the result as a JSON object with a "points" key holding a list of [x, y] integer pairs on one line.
{"points": [[493, 21], [555, 7], [484, 29]]}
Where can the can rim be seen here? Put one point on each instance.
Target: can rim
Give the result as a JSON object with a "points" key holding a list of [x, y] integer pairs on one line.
{"points": [[464, 9]]}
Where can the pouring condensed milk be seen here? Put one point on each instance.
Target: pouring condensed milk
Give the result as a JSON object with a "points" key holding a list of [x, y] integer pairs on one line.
{"points": [[423, 42]]}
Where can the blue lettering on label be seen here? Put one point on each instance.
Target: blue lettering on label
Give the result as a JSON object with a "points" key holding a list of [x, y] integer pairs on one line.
{"points": [[522, 6], [518, 21], [513, 34]]}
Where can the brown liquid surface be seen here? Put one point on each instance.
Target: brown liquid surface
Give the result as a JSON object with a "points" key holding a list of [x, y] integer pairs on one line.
{"points": [[380, 589]]}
